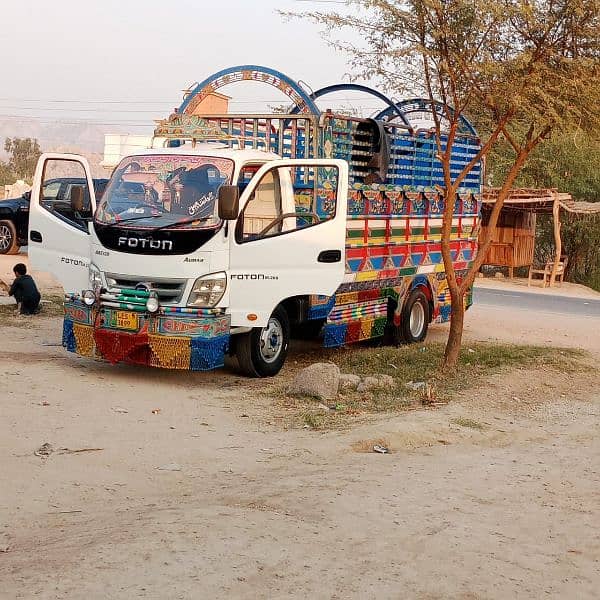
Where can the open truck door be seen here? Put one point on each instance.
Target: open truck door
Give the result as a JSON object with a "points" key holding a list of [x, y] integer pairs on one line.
{"points": [[289, 237], [61, 210]]}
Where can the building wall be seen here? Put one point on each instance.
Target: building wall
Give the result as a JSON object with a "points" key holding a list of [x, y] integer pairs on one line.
{"points": [[213, 104], [17, 189]]}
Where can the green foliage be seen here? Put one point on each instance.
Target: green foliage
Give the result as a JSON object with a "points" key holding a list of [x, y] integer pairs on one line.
{"points": [[23, 156], [581, 240], [569, 162], [6, 174]]}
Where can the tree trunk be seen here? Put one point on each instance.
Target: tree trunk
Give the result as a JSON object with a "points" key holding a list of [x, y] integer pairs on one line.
{"points": [[557, 240], [457, 320], [459, 289]]}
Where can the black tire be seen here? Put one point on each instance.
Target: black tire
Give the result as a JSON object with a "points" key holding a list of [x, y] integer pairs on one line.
{"points": [[254, 357], [414, 320], [8, 238]]}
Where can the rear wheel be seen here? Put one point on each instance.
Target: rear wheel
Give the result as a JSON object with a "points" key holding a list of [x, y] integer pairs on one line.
{"points": [[8, 238], [262, 351], [414, 320]]}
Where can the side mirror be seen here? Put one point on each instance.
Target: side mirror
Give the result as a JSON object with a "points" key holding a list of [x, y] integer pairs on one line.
{"points": [[77, 198], [229, 202]]}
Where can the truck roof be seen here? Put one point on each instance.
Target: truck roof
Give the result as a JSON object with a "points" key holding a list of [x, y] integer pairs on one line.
{"points": [[210, 150]]}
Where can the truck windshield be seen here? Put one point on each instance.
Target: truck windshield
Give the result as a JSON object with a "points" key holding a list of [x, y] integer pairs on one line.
{"points": [[159, 191]]}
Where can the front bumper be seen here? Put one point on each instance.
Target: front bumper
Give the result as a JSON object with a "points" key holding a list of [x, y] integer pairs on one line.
{"points": [[193, 340]]}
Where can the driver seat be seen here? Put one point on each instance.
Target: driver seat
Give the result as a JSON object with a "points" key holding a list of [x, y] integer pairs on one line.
{"points": [[262, 208]]}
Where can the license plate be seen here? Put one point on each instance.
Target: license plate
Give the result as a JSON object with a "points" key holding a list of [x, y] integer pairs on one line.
{"points": [[124, 320]]}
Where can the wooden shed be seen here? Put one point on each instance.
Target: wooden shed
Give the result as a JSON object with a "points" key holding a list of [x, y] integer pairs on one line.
{"points": [[513, 240]]}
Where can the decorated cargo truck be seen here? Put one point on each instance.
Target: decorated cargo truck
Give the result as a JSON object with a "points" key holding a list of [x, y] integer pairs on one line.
{"points": [[234, 232]]}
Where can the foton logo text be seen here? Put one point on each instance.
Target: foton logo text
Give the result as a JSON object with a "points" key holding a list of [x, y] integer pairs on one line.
{"points": [[149, 243]]}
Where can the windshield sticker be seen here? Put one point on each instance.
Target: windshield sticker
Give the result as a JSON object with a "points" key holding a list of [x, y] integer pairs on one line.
{"points": [[200, 205]]}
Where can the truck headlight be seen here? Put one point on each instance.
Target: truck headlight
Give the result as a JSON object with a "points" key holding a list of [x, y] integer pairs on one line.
{"points": [[95, 277], [152, 304], [89, 297], [208, 290]]}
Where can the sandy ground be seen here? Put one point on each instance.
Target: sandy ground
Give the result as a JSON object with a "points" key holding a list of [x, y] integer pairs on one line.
{"points": [[192, 490]]}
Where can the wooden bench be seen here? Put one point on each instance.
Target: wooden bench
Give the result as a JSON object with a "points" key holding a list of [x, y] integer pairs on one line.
{"points": [[546, 272]]}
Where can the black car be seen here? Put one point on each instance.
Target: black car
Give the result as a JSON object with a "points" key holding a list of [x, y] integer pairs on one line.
{"points": [[14, 212]]}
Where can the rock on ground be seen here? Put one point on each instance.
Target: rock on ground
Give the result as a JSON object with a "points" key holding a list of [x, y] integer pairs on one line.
{"points": [[320, 380], [375, 382], [348, 381]]}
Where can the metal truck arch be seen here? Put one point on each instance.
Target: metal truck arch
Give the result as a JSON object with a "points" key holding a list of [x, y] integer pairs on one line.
{"points": [[342, 87], [278, 80], [422, 105]]}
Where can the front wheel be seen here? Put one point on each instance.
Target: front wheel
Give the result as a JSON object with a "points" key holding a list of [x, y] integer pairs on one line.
{"points": [[414, 320], [262, 351], [8, 238]]}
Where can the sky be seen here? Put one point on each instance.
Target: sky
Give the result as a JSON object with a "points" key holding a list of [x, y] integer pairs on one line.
{"points": [[126, 62]]}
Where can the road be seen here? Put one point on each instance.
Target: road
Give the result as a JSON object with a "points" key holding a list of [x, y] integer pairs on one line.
{"points": [[582, 307]]}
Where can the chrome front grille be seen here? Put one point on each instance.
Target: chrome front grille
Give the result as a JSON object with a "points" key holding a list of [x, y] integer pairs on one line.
{"points": [[169, 290]]}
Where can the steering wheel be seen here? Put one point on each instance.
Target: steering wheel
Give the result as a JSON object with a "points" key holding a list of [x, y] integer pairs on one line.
{"points": [[280, 219]]}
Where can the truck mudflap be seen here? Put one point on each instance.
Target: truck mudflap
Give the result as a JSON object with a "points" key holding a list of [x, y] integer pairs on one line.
{"points": [[185, 339]]}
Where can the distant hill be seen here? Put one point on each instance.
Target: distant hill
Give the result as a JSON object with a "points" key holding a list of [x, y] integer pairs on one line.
{"points": [[78, 138], [81, 135]]}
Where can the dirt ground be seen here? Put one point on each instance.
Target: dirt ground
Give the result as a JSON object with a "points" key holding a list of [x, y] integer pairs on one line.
{"points": [[190, 489]]}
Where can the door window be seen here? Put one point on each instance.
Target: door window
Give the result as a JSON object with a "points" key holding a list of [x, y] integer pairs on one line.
{"points": [[288, 199], [50, 190], [65, 192]]}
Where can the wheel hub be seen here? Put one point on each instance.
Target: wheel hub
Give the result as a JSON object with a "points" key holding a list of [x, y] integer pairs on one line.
{"points": [[417, 319], [5, 237], [271, 340]]}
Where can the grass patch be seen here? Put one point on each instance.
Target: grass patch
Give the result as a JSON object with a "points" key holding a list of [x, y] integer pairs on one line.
{"points": [[313, 420], [52, 306], [417, 380], [470, 423]]}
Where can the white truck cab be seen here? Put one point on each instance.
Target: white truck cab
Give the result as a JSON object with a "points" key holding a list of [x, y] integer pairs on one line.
{"points": [[189, 245]]}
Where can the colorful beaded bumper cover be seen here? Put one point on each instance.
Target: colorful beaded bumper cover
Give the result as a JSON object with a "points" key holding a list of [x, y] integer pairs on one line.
{"points": [[194, 340]]}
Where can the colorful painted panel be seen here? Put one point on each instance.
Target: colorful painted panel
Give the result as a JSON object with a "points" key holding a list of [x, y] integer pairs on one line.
{"points": [[174, 341]]}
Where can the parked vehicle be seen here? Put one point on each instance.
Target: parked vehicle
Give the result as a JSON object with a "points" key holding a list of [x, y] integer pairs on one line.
{"points": [[237, 231], [14, 212]]}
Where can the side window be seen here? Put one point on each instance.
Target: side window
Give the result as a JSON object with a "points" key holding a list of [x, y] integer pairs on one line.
{"points": [[262, 213], [247, 172], [50, 190], [65, 191], [288, 199]]}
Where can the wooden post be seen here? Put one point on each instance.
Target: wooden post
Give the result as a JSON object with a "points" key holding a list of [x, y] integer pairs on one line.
{"points": [[557, 240]]}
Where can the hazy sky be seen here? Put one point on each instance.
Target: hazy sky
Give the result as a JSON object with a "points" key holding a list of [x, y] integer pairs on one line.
{"points": [[67, 56]]}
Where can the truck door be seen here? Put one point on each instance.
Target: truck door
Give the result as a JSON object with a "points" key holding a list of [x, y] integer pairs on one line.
{"points": [[61, 209], [289, 239]]}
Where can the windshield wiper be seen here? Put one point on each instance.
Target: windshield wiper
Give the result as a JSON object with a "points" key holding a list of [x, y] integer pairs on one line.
{"points": [[186, 222]]}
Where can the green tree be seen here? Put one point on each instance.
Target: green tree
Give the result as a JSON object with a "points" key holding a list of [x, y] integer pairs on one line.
{"points": [[6, 176], [526, 68], [23, 156], [569, 162]]}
